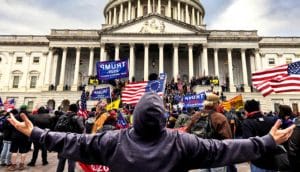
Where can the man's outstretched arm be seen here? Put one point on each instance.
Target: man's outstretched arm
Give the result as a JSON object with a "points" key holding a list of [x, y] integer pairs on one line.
{"points": [[90, 149], [214, 153]]}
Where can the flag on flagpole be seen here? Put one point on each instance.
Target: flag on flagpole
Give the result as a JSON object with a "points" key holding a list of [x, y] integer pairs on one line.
{"points": [[280, 79], [134, 91], [237, 103], [83, 107]]}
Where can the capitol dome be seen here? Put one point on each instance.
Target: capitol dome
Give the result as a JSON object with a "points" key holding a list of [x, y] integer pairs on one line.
{"points": [[188, 11]]}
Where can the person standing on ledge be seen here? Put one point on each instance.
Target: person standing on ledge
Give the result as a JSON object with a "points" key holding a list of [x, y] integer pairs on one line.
{"points": [[150, 146]]}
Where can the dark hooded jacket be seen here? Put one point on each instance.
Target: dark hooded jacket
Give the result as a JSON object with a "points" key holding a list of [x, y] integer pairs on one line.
{"points": [[149, 146]]}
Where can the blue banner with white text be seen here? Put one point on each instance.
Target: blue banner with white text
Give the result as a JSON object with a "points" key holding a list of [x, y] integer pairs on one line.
{"points": [[192, 101], [109, 70], [102, 93]]}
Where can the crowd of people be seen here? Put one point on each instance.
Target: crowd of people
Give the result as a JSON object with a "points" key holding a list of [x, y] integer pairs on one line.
{"points": [[212, 122]]}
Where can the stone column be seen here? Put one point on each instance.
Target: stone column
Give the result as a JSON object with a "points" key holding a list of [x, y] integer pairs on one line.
{"points": [[245, 71], [125, 14], [257, 60], [60, 87], [54, 70], [146, 61], [191, 61], [115, 16], [230, 71], [76, 72], [139, 8], [129, 10], [109, 16], [187, 15], [205, 61], [117, 51], [102, 52], [161, 58], [216, 60], [178, 11], [169, 8], [131, 62], [48, 70], [198, 18], [175, 62], [121, 14], [193, 16], [159, 7], [149, 7], [91, 62]]}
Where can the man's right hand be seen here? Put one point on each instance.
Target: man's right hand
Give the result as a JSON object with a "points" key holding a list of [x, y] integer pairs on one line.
{"points": [[25, 127], [281, 136]]}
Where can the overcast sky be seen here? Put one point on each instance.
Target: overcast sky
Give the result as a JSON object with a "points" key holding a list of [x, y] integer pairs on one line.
{"points": [[269, 17]]}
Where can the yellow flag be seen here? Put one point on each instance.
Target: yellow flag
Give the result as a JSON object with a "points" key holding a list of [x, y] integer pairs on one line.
{"points": [[113, 105], [236, 103]]}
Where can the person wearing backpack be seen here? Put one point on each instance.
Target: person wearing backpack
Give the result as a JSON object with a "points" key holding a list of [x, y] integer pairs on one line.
{"points": [[72, 123], [210, 124]]}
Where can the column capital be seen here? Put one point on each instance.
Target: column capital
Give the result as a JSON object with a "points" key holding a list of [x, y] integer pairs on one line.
{"points": [[78, 48], [190, 45], [64, 48], [117, 44], [216, 49], [102, 44], [204, 45], [175, 45], [243, 50], [132, 45], [161, 45], [229, 49], [91, 48], [146, 44]]}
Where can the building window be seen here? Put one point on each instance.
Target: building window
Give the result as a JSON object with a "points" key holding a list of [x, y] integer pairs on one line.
{"points": [[19, 60], [33, 81], [36, 60], [0, 59], [16, 81], [295, 108], [271, 61], [145, 10], [288, 61], [30, 105]]}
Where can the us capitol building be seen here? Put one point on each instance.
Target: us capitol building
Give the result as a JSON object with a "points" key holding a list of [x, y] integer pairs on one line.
{"points": [[156, 36]]}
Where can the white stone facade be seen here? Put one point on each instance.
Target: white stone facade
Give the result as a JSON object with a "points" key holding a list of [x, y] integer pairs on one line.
{"points": [[164, 36]]}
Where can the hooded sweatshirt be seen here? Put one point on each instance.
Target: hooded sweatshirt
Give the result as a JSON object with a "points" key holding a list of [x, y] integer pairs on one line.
{"points": [[149, 146]]}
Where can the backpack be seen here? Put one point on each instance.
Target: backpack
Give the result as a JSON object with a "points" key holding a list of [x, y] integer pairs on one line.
{"points": [[65, 123], [203, 127]]}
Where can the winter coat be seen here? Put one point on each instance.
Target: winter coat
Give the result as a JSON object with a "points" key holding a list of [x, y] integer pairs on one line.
{"points": [[149, 146]]}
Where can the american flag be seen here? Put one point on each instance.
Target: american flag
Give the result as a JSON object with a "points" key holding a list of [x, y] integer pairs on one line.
{"points": [[280, 79], [83, 107], [9, 104], [134, 91]]}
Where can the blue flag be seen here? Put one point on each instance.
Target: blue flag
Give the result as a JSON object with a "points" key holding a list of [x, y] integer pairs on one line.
{"points": [[193, 101], [102, 93], [156, 86], [112, 69]]}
